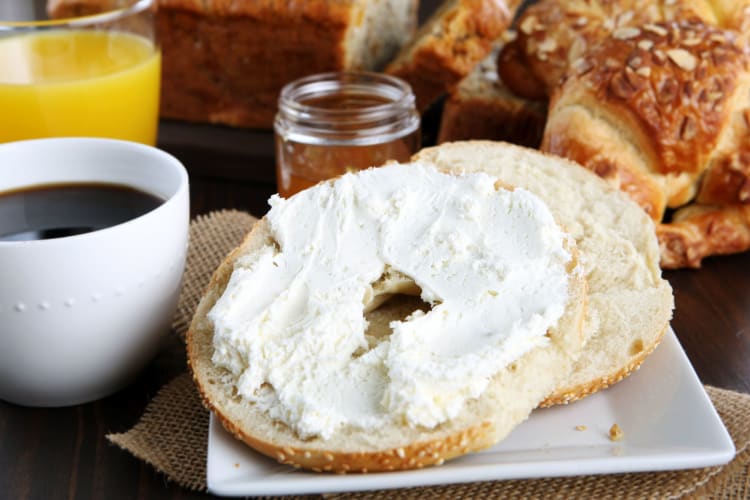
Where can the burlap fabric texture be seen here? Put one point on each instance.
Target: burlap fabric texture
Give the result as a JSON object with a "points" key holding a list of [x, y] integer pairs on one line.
{"points": [[173, 431]]}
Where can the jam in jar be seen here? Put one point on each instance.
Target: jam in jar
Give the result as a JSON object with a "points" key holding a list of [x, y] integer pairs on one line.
{"points": [[333, 123]]}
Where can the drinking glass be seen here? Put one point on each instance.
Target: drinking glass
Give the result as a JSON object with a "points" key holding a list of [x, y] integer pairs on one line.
{"points": [[90, 76]]}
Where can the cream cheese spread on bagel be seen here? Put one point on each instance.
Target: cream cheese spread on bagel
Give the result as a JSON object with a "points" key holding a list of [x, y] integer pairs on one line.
{"points": [[491, 263]]}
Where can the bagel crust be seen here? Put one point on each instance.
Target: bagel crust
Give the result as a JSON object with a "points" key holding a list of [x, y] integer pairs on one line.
{"points": [[508, 399]]}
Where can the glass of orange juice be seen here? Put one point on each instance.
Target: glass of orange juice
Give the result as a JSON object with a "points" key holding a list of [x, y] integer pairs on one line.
{"points": [[92, 76]]}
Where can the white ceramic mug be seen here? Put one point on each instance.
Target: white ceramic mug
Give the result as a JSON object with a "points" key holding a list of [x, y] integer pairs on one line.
{"points": [[81, 315]]}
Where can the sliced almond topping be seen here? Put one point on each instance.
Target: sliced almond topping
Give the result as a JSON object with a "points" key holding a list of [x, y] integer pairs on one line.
{"points": [[667, 90], [691, 42], [683, 59], [625, 18], [626, 33], [634, 62], [582, 65], [621, 87], [581, 21], [715, 96], [548, 45], [660, 56], [528, 25], [717, 37], [645, 44], [670, 2], [688, 129], [509, 35], [644, 71], [735, 162], [656, 29]]}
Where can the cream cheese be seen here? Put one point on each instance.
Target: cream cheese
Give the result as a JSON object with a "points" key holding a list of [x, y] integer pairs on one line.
{"points": [[290, 325]]}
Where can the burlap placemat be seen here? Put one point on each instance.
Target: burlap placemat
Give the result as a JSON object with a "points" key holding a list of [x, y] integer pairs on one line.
{"points": [[173, 431]]}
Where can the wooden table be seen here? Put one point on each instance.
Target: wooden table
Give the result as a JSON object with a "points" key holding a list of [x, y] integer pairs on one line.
{"points": [[62, 453]]}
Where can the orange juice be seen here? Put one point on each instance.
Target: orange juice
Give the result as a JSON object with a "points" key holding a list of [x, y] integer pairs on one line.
{"points": [[79, 83]]}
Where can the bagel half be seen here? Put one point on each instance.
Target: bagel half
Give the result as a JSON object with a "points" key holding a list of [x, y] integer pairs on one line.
{"points": [[508, 399], [629, 304]]}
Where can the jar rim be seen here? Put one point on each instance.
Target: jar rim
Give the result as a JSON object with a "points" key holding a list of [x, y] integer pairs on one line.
{"points": [[398, 93]]}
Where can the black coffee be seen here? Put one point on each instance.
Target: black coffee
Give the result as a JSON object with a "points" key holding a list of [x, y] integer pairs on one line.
{"points": [[57, 210]]}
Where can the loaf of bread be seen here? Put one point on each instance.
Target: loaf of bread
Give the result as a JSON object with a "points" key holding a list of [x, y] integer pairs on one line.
{"points": [[662, 111], [225, 61], [552, 34], [629, 304], [482, 107], [457, 36], [510, 395]]}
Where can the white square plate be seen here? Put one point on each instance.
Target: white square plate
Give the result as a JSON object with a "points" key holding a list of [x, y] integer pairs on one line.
{"points": [[666, 415]]}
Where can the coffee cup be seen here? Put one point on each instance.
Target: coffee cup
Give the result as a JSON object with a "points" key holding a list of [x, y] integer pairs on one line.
{"points": [[81, 315]]}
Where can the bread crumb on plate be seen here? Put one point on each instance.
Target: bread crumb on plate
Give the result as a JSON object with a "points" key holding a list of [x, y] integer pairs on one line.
{"points": [[616, 433]]}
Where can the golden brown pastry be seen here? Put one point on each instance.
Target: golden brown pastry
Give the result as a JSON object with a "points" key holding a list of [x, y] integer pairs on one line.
{"points": [[554, 33], [456, 37], [482, 107], [663, 112], [698, 231]]}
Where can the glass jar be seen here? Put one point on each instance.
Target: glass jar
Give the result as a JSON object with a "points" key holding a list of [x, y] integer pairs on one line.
{"points": [[333, 123]]}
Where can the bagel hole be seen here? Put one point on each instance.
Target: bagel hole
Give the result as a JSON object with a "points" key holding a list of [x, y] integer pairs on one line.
{"points": [[396, 307]]}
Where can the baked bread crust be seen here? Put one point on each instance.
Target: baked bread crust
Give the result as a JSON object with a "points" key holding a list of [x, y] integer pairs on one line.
{"points": [[482, 107], [508, 400], [552, 34], [630, 304], [448, 46]]}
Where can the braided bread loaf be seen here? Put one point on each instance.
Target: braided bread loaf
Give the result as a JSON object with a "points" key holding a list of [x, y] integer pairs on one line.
{"points": [[663, 112]]}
